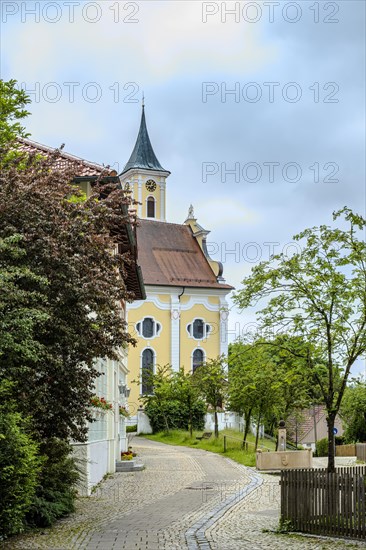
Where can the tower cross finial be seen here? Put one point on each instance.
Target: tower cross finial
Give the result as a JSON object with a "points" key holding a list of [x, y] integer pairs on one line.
{"points": [[143, 99]]}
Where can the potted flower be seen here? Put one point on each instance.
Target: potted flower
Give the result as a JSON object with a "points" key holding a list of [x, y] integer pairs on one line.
{"points": [[123, 411], [128, 455], [101, 403]]}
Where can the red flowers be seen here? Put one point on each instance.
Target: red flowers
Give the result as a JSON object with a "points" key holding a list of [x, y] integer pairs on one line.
{"points": [[101, 403]]}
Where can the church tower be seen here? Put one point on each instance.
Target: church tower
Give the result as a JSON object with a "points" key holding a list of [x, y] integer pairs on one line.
{"points": [[145, 177], [183, 320]]}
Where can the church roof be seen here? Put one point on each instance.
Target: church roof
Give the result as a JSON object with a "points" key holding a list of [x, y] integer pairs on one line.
{"points": [[169, 255], [143, 155]]}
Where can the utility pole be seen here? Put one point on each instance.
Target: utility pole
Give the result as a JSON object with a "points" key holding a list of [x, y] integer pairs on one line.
{"points": [[315, 434]]}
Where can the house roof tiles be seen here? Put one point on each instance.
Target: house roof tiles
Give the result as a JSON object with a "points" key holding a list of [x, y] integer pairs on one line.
{"points": [[65, 160]]}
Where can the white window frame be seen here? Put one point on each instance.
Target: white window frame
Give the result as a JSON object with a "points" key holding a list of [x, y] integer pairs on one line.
{"points": [[156, 334], [154, 366], [155, 203], [203, 353], [206, 334]]}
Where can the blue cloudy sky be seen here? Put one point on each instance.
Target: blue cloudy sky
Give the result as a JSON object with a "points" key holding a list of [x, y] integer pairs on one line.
{"points": [[257, 108]]}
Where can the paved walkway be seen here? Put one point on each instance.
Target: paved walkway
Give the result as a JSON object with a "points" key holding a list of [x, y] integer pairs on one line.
{"points": [[184, 499]]}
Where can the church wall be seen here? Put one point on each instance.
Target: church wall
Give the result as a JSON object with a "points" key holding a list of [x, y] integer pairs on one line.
{"points": [[210, 345], [160, 344], [162, 306]]}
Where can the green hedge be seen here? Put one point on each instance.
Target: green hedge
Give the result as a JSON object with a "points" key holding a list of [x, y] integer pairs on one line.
{"points": [[20, 466], [322, 447], [131, 429], [56, 493]]}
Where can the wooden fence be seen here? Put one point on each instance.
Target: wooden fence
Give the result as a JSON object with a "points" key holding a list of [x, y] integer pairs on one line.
{"points": [[355, 449], [234, 443], [361, 451], [346, 450], [313, 501]]}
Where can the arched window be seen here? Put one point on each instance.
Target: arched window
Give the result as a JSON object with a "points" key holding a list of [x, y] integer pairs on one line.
{"points": [[197, 359], [151, 207], [147, 370]]}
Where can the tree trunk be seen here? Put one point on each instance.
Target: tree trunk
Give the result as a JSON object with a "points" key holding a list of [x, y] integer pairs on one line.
{"points": [[257, 430], [190, 422], [165, 418], [331, 440], [247, 417], [216, 424], [190, 418]]}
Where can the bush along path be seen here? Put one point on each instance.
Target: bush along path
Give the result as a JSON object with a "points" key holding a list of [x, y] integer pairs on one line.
{"points": [[184, 498]]}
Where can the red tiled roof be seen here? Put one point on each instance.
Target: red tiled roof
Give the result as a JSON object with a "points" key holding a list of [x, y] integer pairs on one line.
{"points": [[65, 160], [84, 168], [306, 423], [170, 255]]}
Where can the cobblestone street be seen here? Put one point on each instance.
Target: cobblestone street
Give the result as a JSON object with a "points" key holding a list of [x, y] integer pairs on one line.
{"points": [[184, 498]]}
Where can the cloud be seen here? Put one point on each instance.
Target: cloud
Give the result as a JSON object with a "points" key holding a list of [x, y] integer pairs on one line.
{"points": [[168, 39]]}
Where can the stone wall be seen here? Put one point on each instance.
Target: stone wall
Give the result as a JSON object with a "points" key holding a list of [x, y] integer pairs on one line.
{"points": [[284, 460]]}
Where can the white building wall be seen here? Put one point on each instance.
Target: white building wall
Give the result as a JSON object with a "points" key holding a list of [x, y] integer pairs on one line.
{"points": [[107, 434], [227, 420]]}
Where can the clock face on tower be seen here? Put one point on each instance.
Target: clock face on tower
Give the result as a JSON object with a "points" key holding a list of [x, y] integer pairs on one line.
{"points": [[150, 185]]}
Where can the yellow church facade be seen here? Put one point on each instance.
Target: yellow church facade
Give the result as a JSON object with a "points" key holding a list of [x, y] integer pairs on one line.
{"points": [[183, 320]]}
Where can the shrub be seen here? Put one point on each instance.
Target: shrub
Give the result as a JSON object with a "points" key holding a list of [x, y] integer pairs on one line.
{"points": [[20, 466], [322, 447], [131, 429], [174, 415], [56, 493]]}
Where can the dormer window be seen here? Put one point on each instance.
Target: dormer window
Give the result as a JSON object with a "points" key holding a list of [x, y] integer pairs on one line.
{"points": [[150, 207]]}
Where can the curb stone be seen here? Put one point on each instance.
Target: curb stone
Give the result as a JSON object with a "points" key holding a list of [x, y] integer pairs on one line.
{"points": [[195, 535]]}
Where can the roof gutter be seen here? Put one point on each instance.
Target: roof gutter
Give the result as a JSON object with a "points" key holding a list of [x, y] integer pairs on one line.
{"points": [[179, 297]]}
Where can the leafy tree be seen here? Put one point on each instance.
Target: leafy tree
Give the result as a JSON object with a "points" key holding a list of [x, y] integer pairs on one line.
{"points": [[23, 304], [353, 412], [267, 380], [13, 102], [185, 390], [175, 402], [241, 389], [62, 278], [253, 384], [211, 380], [158, 405], [319, 295], [63, 311]]}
